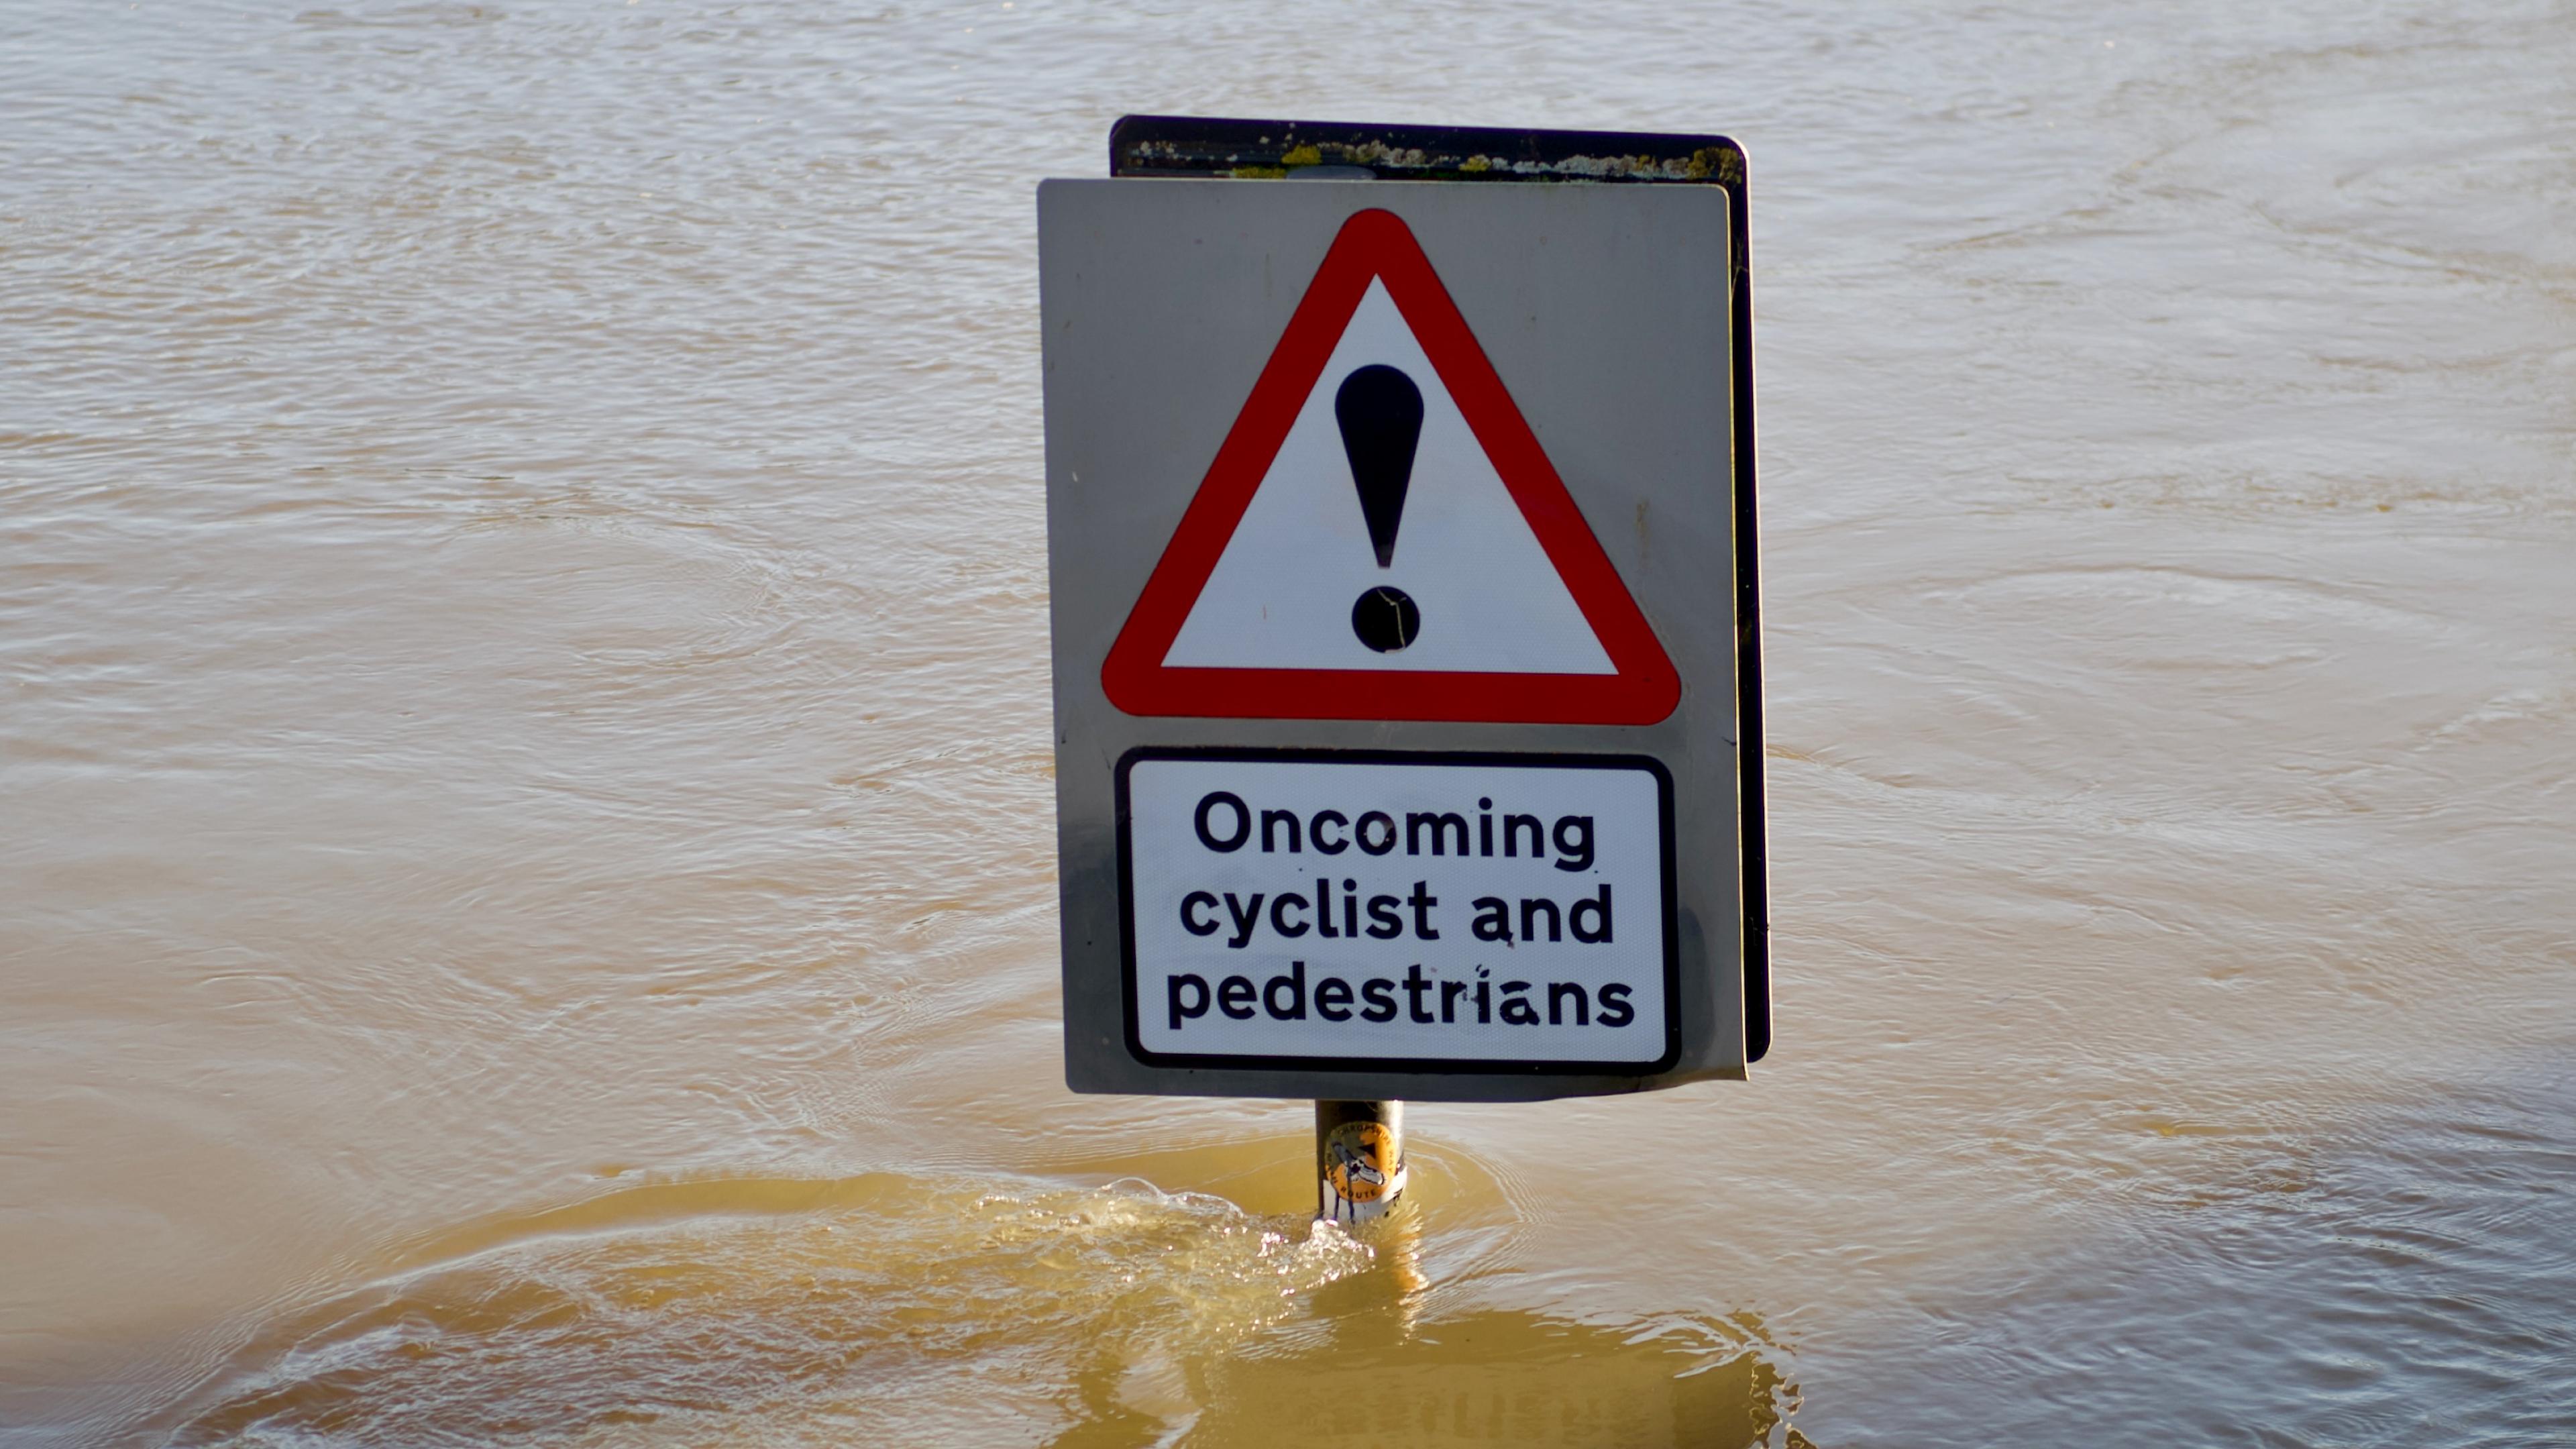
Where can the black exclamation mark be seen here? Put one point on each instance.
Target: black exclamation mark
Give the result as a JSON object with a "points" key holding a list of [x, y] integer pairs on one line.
{"points": [[1380, 411]]}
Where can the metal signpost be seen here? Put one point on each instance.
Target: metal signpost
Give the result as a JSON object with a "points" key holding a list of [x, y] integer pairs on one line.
{"points": [[1407, 692]]}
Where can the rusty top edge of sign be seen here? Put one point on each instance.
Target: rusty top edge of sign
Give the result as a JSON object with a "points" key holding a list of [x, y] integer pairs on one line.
{"points": [[1214, 146]]}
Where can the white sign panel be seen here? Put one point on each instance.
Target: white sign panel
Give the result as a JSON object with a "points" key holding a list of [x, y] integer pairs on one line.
{"points": [[1399, 534], [1314, 908]]}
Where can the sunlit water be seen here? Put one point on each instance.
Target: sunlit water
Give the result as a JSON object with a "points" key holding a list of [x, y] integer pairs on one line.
{"points": [[526, 892]]}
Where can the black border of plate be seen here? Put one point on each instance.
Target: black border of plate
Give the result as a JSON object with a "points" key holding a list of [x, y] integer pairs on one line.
{"points": [[1429, 1066]]}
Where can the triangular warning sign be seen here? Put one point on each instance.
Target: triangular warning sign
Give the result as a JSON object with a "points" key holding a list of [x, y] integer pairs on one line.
{"points": [[1381, 536]]}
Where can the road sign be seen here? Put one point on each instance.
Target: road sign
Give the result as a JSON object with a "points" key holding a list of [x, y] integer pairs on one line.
{"points": [[1279, 594], [1400, 550]]}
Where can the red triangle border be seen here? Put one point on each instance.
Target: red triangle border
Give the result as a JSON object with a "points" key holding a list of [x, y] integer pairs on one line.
{"points": [[1376, 244]]}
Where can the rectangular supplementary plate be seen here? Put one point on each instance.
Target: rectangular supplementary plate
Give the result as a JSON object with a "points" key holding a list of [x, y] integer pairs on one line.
{"points": [[1412, 911]]}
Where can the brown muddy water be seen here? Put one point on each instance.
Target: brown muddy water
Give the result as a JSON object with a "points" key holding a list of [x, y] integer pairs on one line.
{"points": [[526, 911]]}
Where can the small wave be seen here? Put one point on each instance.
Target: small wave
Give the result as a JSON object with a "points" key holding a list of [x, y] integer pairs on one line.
{"points": [[868, 1310]]}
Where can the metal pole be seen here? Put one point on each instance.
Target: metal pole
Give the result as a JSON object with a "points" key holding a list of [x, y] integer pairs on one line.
{"points": [[1359, 1159]]}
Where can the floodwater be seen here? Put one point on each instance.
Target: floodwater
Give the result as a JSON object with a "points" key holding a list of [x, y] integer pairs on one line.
{"points": [[526, 894]]}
